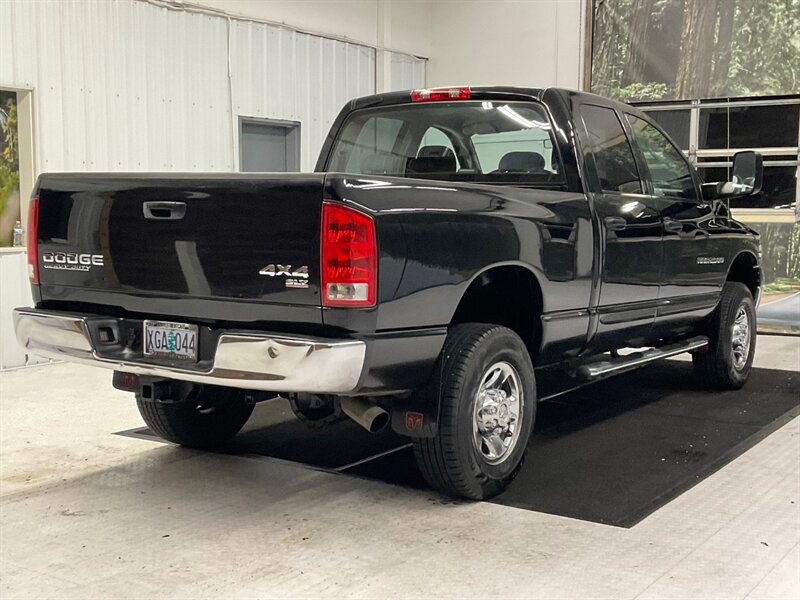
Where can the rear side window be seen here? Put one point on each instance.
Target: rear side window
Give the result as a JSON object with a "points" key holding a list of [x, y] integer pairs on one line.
{"points": [[607, 144], [507, 142]]}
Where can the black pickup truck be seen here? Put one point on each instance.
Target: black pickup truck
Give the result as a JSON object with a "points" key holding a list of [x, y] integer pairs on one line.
{"points": [[453, 246]]}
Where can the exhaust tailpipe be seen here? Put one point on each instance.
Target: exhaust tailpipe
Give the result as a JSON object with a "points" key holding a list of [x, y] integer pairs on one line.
{"points": [[371, 417]]}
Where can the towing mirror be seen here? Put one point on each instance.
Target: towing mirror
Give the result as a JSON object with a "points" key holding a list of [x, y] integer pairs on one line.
{"points": [[747, 180], [748, 172]]}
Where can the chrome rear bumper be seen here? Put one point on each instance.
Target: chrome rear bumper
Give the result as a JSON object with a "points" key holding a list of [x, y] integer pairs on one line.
{"points": [[242, 359]]}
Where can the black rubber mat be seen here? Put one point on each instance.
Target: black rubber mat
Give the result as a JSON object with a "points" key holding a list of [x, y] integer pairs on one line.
{"points": [[612, 452]]}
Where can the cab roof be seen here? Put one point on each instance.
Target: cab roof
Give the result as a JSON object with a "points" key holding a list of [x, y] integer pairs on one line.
{"points": [[509, 93]]}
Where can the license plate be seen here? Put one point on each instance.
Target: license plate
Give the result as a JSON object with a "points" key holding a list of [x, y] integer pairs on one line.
{"points": [[170, 340]]}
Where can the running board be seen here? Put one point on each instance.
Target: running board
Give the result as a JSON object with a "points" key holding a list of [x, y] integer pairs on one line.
{"points": [[631, 361]]}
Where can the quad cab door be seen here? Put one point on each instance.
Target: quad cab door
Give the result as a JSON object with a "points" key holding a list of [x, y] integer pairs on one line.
{"points": [[630, 228], [694, 266]]}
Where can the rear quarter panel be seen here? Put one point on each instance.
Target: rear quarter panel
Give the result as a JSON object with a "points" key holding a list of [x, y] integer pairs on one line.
{"points": [[435, 238]]}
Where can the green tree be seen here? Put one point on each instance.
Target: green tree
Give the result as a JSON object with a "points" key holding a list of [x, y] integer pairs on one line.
{"points": [[696, 48], [609, 44], [765, 53]]}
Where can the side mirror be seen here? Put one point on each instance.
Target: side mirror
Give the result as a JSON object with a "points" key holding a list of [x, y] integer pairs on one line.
{"points": [[748, 172], [747, 179]]}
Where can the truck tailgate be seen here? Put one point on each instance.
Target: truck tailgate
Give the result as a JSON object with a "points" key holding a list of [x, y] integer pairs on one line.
{"points": [[107, 237]]}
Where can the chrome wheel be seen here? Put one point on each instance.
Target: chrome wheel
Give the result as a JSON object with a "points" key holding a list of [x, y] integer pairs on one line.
{"points": [[498, 413], [740, 339]]}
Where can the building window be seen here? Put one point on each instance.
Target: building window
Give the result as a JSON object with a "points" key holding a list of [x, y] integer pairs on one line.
{"points": [[269, 146], [757, 126], [712, 131], [17, 171], [9, 170]]}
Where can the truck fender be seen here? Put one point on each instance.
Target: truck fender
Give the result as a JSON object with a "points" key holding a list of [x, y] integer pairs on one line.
{"points": [[418, 414]]}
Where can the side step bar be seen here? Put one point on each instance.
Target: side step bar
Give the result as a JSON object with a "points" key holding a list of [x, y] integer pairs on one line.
{"points": [[613, 366]]}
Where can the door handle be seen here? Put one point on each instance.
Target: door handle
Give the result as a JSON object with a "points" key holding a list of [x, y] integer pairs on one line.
{"points": [[673, 226], [164, 211], [615, 223]]}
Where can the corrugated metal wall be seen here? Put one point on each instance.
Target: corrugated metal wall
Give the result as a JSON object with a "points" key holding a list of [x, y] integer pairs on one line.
{"points": [[282, 74], [125, 85], [408, 72]]}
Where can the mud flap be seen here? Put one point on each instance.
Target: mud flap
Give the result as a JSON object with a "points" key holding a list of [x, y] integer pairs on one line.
{"points": [[416, 417]]}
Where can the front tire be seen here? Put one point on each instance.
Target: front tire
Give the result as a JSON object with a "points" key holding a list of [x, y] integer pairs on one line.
{"points": [[208, 418], [727, 363], [487, 393]]}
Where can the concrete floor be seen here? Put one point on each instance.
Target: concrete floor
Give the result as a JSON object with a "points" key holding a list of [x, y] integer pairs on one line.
{"points": [[87, 514]]}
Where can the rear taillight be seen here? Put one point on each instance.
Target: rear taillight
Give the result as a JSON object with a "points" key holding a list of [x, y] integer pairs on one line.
{"points": [[438, 94], [349, 269], [33, 240]]}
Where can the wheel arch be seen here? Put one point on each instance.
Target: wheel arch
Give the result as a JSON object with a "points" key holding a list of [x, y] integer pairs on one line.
{"points": [[479, 303], [745, 269], [507, 294]]}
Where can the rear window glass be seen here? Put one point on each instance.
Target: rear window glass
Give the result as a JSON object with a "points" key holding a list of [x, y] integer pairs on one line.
{"points": [[506, 142]]}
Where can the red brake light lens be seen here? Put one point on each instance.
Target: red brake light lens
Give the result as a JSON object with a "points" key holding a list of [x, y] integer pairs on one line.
{"points": [[439, 94], [349, 257], [33, 240]]}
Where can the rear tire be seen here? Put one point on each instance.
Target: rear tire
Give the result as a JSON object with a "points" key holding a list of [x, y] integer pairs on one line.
{"points": [[206, 420], [484, 378], [727, 363]]}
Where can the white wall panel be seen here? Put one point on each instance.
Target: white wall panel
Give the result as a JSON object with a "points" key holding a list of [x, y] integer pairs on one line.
{"points": [[534, 43], [14, 291], [408, 72]]}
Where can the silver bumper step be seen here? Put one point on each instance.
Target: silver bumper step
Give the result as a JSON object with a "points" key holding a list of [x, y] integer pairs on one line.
{"points": [[603, 368]]}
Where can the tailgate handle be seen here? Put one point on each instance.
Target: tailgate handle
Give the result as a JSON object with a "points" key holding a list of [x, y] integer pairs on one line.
{"points": [[164, 211]]}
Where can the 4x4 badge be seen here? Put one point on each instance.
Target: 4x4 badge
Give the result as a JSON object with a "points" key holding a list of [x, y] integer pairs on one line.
{"points": [[295, 278], [278, 270]]}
